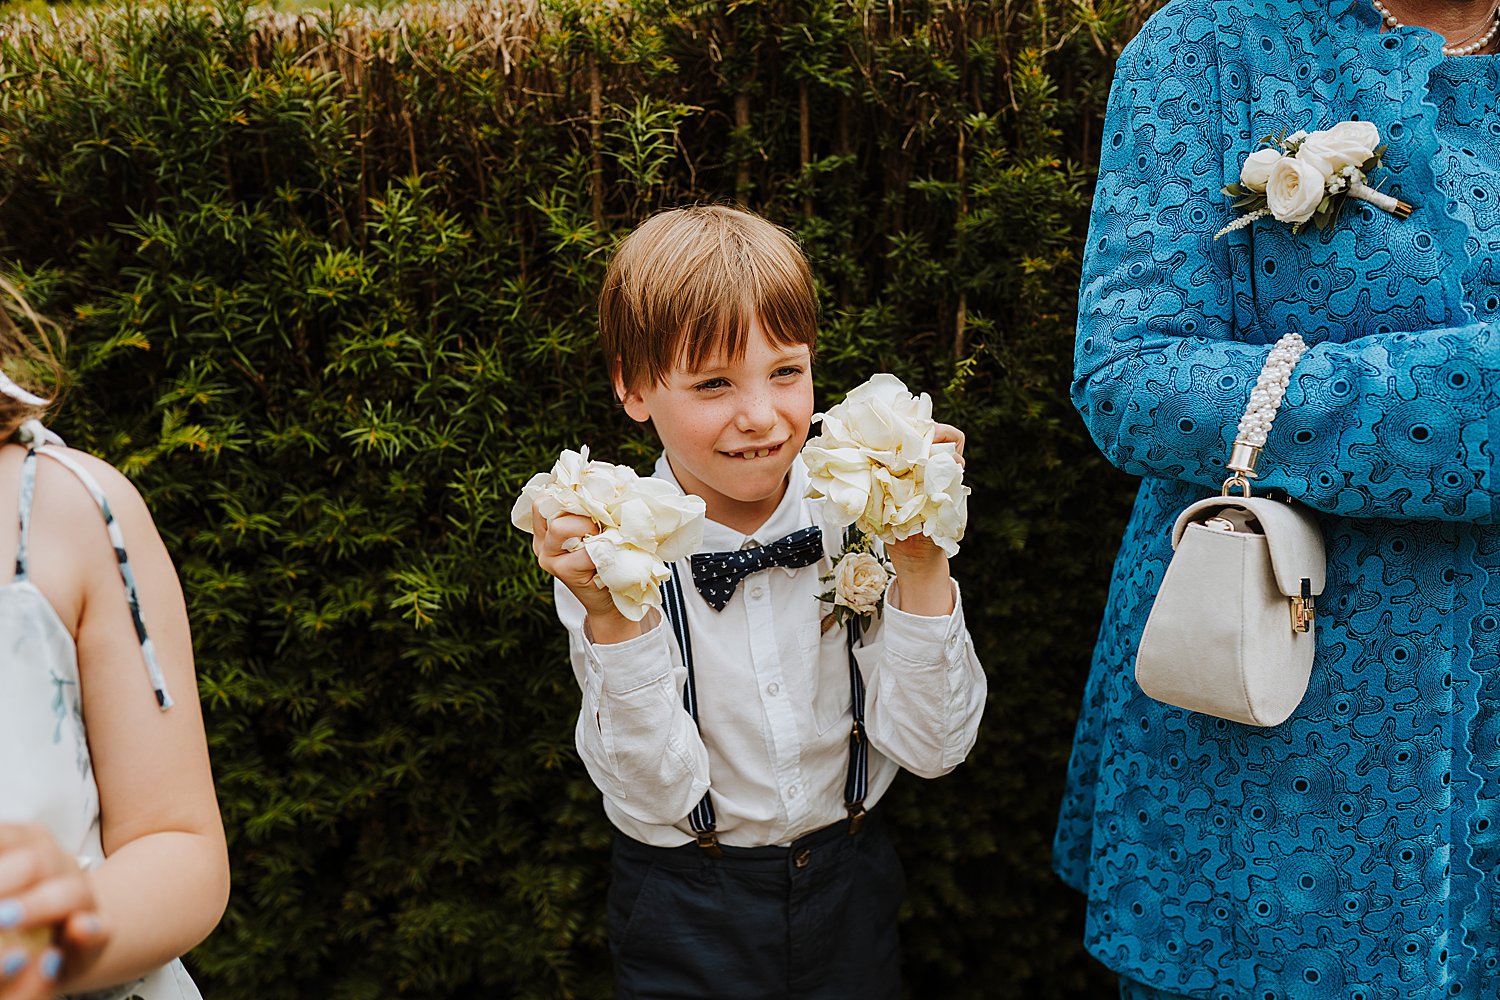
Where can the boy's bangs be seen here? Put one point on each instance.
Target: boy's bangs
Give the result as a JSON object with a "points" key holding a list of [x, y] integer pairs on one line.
{"points": [[725, 335]]}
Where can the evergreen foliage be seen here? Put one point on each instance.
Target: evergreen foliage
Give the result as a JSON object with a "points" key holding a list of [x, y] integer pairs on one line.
{"points": [[329, 283]]}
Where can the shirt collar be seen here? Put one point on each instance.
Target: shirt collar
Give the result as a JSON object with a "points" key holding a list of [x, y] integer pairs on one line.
{"points": [[789, 516]]}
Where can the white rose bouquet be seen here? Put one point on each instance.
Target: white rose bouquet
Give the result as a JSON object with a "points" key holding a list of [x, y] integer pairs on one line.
{"points": [[643, 524], [1306, 177], [877, 466]]}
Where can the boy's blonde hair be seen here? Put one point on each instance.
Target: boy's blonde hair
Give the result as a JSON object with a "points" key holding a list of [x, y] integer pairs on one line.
{"points": [[689, 282], [27, 356]]}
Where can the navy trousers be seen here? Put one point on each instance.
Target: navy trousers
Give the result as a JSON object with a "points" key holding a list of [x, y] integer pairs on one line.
{"points": [[814, 921]]}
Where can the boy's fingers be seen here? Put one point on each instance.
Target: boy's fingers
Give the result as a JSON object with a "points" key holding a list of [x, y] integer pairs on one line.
{"points": [[948, 434]]}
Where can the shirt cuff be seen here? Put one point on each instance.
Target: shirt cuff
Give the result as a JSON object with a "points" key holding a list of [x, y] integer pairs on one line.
{"points": [[635, 663], [915, 638]]}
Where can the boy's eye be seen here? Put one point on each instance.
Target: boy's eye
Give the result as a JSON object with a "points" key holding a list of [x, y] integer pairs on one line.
{"points": [[710, 384], [787, 371]]}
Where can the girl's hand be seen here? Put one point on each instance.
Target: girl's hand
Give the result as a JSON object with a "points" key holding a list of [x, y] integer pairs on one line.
{"points": [[42, 889]]}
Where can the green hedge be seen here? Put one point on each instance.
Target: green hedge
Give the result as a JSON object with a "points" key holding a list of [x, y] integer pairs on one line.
{"points": [[329, 283]]}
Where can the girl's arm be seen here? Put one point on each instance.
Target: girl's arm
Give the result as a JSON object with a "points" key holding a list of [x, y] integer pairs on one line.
{"points": [[164, 882]]}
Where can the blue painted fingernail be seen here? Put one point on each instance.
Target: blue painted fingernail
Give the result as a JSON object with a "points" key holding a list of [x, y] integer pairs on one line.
{"points": [[11, 913], [51, 963], [14, 962]]}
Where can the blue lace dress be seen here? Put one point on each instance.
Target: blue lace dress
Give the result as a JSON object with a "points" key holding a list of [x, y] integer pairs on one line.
{"points": [[1354, 851]]}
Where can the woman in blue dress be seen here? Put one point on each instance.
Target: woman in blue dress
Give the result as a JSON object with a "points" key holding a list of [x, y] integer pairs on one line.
{"points": [[1352, 852]]}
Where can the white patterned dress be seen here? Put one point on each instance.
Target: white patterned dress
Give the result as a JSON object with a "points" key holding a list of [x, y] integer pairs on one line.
{"points": [[47, 776]]}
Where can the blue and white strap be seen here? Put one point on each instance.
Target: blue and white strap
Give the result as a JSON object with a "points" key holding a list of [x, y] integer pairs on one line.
{"points": [[702, 818], [857, 783], [41, 441]]}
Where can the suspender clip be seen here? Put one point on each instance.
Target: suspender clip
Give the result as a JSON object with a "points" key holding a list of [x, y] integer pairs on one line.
{"points": [[709, 841], [858, 732], [856, 816]]}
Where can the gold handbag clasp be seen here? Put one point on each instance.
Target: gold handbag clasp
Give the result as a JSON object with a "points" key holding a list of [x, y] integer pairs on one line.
{"points": [[1303, 609]]}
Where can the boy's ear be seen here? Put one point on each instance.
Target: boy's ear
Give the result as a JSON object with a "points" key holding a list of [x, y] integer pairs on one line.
{"points": [[634, 403]]}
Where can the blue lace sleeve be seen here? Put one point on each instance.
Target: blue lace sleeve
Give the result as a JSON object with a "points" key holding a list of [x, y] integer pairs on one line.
{"points": [[1386, 417]]}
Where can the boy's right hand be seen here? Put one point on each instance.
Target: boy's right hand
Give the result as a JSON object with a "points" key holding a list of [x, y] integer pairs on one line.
{"points": [[558, 545]]}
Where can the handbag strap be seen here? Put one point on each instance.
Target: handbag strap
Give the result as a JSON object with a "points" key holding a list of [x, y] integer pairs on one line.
{"points": [[1265, 400]]}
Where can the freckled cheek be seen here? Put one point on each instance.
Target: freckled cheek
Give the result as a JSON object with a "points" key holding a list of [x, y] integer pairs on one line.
{"points": [[797, 409]]}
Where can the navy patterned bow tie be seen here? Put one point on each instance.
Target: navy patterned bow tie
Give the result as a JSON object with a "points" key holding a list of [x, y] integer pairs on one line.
{"points": [[716, 574]]}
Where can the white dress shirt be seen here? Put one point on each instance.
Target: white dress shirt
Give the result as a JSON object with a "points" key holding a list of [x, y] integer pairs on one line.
{"points": [[774, 704]]}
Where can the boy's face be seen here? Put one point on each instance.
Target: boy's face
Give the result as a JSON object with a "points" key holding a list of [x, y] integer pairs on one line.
{"points": [[732, 430]]}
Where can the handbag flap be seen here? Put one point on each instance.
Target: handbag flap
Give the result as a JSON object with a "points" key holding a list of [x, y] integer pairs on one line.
{"points": [[1292, 536]]}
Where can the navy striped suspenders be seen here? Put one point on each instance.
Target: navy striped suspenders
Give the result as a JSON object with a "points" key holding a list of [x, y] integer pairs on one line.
{"points": [[702, 817], [858, 779], [856, 783]]}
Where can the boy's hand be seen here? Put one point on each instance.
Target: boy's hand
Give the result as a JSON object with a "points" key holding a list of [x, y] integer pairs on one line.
{"points": [[43, 889], [920, 565], [558, 545]]}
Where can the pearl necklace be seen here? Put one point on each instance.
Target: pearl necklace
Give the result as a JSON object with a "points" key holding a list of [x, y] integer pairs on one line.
{"points": [[1457, 50]]}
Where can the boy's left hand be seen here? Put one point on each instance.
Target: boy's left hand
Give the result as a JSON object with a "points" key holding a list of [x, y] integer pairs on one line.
{"points": [[42, 887], [922, 567]]}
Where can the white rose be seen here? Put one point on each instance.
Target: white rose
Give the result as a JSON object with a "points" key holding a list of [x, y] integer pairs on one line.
{"points": [[859, 582], [643, 524], [1257, 168], [883, 418], [1347, 144], [520, 511], [657, 517], [633, 577], [870, 464], [842, 475], [947, 511], [902, 502], [1295, 190]]}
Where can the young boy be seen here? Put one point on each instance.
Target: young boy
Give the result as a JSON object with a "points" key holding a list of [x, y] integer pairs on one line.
{"points": [[747, 866]]}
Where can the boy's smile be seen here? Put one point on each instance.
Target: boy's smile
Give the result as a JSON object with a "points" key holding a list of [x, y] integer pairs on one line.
{"points": [[732, 430]]}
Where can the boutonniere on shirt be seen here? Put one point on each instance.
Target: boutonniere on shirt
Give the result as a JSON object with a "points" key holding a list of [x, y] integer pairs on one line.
{"points": [[1303, 177], [642, 524], [858, 582]]}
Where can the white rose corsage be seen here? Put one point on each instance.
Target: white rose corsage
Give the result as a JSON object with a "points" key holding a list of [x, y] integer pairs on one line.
{"points": [[858, 582], [1306, 177], [643, 524]]}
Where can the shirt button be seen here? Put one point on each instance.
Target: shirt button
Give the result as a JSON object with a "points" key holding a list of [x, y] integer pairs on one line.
{"points": [[791, 793], [772, 688], [802, 857], [757, 591]]}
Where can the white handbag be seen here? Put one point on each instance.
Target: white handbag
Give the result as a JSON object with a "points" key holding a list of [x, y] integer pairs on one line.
{"points": [[1231, 631]]}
